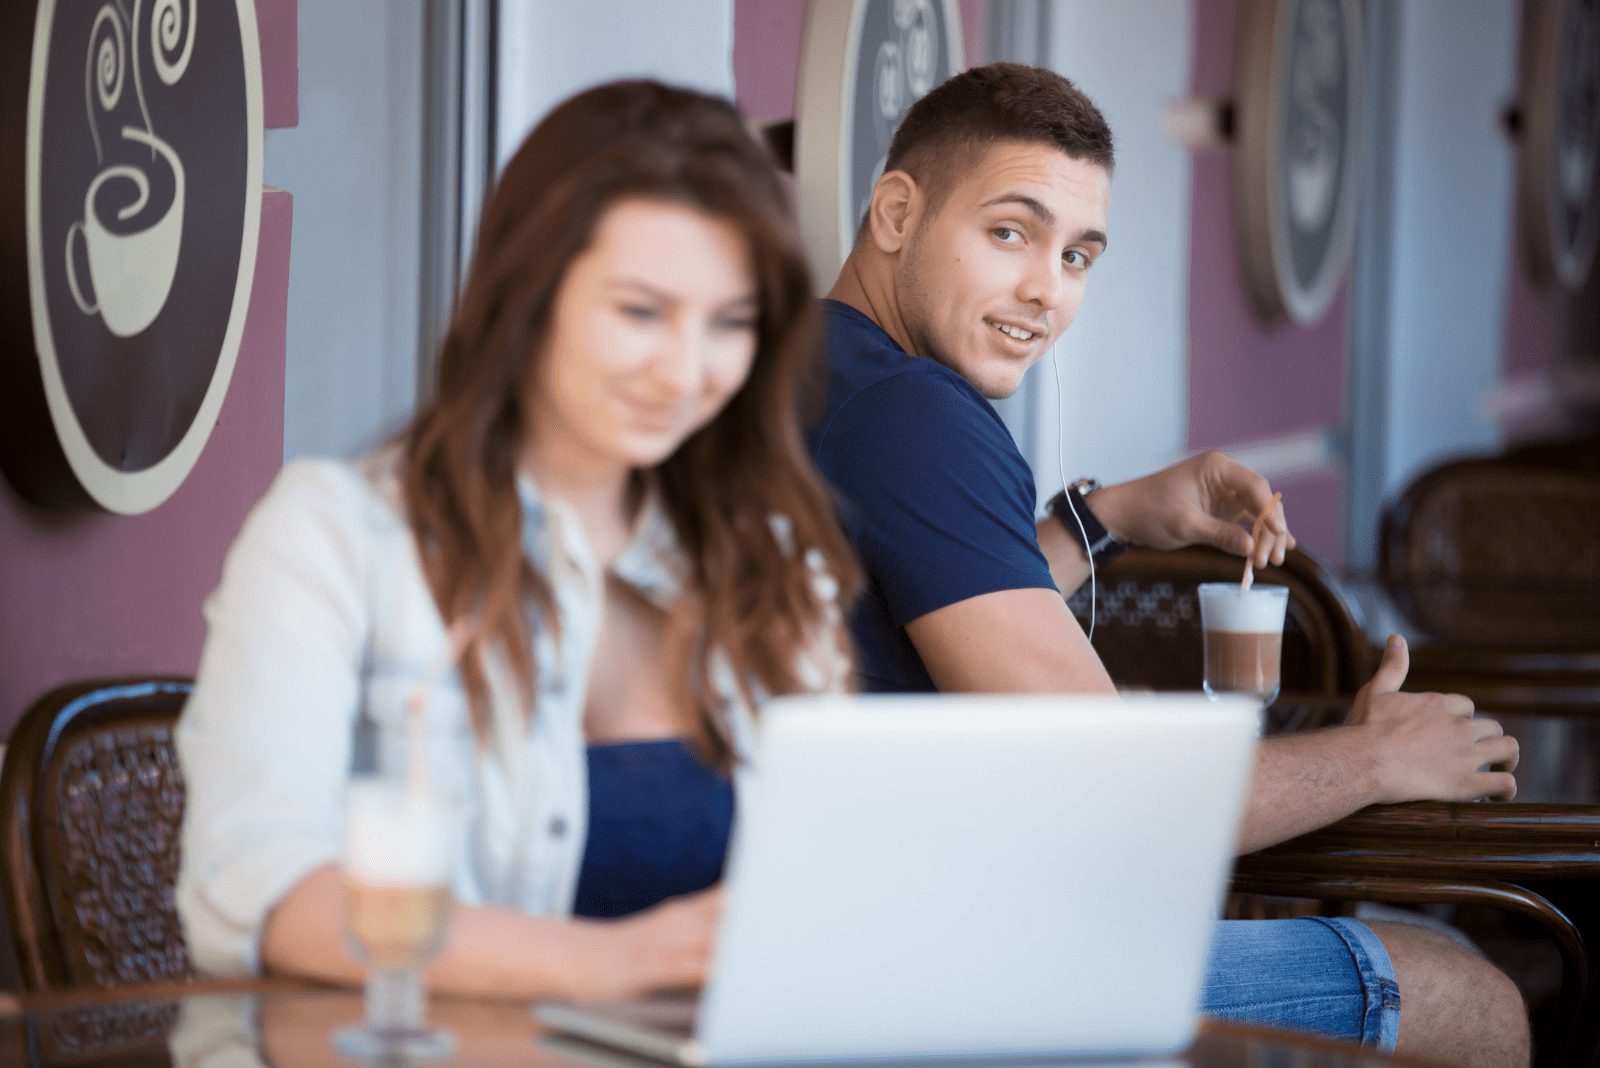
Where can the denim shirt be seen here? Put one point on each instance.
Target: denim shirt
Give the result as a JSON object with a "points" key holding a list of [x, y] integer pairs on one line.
{"points": [[323, 612]]}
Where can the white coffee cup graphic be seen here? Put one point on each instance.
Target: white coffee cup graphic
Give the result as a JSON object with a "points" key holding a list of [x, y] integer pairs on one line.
{"points": [[131, 273]]}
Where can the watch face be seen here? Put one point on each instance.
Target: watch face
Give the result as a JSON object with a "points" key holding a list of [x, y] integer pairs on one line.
{"points": [[142, 198]]}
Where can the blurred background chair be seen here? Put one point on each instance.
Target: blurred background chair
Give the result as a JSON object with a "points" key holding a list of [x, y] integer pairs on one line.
{"points": [[1511, 858], [91, 804], [1496, 562]]}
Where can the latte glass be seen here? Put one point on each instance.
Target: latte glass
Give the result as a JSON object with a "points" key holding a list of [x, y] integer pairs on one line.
{"points": [[399, 857], [1243, 634]]}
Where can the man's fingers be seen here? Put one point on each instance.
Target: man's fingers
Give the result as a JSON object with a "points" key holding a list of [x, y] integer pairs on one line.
{"points": [[1458, 704], [1224, 535], [1496, 784], [1257, 493], [1392, 668], [1484, 728], [1501, 752]]}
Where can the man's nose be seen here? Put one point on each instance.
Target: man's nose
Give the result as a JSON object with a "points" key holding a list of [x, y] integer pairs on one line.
{"points": [[1044, 283]]}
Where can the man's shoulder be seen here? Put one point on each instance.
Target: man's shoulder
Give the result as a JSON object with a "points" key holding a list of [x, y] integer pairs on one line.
{"points": [[871, 378]]}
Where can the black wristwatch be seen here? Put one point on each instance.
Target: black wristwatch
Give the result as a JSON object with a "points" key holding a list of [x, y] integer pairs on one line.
{"points": [[1070, 508]]}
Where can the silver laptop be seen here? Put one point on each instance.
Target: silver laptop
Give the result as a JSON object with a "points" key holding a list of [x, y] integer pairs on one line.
{"points": [[962, 877]]}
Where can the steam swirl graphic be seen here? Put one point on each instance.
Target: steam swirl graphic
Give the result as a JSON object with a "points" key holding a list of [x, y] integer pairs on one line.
{"points": [[108, 62], [167, 28], [106, 68]]}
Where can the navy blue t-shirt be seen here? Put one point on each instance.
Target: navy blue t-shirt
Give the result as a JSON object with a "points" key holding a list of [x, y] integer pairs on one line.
{"points": [[933, 491]]}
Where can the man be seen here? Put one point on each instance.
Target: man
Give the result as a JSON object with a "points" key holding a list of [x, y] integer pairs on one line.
{"points": [[971, 261]]}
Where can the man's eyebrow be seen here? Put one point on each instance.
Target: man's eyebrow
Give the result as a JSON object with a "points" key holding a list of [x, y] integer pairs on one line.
{"points": [[1045, 215], [1040, 212]]}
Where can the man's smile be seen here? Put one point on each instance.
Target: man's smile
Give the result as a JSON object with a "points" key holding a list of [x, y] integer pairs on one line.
{"points": [[1017, 331]]}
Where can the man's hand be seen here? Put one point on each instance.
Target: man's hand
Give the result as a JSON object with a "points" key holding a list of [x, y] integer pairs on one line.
{"points": [[1395, 747], [1200, 501], [1429, 745]]}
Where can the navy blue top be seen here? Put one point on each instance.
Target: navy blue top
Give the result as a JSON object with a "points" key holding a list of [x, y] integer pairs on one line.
{"points": [[658, 826], [934, 493]]}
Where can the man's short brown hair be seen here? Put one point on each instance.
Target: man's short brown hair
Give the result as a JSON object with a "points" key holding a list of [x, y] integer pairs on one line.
{"points": [[948, 132]]}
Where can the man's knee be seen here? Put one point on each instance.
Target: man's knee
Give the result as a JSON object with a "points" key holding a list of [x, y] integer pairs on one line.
{"points": [[1454, 1005]]}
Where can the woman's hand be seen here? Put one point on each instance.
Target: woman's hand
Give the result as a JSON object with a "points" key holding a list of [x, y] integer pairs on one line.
{"points": [[665, 947], [491, 951]]}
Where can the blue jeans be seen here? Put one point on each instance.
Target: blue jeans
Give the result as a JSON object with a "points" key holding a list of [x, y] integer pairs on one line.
{"points": [[1328, 976]]}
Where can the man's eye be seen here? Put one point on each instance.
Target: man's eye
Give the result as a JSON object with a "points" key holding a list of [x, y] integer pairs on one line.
{"points": [[738, 323], [1006, 234], [1074, 258], [639, 312]]}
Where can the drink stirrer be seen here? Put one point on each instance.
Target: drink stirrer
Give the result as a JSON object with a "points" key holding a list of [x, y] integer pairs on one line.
{"points": [[1255, 537], [417, 705]]}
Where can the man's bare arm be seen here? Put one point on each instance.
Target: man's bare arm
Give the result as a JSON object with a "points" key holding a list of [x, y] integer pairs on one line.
{"points": [[1401, 747], [1009, 641]]}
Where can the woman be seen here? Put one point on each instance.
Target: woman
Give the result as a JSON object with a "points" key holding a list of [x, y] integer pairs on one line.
{"points": [[607, 514]]}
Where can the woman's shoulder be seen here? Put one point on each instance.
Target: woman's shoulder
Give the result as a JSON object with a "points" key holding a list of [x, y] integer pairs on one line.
{"points": [[338, 499]]}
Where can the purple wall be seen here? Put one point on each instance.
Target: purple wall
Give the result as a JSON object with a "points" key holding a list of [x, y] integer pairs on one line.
{"points": [[767, 35], [107, 594], [766, 56], [277, 24], [1247, 382]]}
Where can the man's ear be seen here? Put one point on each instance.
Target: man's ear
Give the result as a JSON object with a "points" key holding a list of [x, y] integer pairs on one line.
{"points": [[895, 211]]}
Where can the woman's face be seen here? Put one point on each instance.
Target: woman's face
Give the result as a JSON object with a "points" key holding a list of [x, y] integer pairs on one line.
{"points": [[653, 330]]}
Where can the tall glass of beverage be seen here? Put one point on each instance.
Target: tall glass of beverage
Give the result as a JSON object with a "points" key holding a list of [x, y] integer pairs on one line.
{"points": [[1243, 634], [399, 858]]}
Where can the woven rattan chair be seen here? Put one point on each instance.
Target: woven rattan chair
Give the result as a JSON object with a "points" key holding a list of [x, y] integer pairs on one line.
{"points": [[91, 802], [1495, 552], [1497, 562]]}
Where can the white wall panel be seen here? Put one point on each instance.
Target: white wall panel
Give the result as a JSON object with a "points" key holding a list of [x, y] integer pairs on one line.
{"points": [[354, 167], [1124, 361], [1452, 212], [550, 49]]}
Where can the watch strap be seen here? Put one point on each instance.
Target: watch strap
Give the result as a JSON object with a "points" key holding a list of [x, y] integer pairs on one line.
{"points": [[1070, 508]]}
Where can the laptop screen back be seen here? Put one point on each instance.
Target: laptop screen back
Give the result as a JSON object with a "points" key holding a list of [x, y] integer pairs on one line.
{"points": [[976, 875]]}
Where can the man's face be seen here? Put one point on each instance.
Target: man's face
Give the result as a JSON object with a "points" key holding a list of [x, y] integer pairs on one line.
{"points": [[989, 281]]}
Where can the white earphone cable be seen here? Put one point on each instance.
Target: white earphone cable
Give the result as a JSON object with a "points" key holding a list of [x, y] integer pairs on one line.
{"points": [[1061, 464]]}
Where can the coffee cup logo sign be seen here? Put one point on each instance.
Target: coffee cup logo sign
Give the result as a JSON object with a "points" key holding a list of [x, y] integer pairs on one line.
{"points": [[132, 271], [1296, 86], [903, 49], [143, 189], [864, 64], [1558, 157]]}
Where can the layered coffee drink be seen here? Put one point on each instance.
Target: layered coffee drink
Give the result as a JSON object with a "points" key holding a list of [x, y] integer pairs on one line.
{"points": [[398, 864], [1243, 634]]}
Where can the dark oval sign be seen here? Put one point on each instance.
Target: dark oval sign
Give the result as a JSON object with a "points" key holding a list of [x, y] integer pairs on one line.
{"points": [[142, 178], [1558, 159], [864, 64], [1296, 164]]}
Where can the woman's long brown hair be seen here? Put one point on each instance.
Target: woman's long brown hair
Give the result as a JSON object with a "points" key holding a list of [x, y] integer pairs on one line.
{"points": [[749, 597]]}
